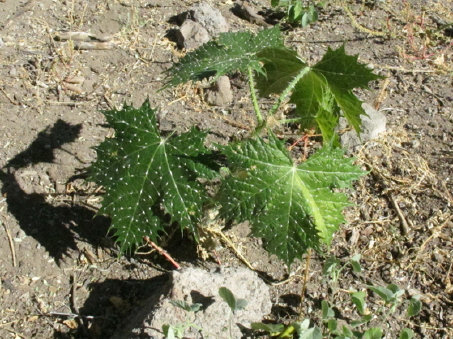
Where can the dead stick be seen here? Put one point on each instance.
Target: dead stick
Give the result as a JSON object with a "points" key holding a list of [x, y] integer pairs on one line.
{"points": [[403, 222], [75, 307], [14, 102], [16, 333], [231, 246], [71, 315], [162, 252], [11, 244]]}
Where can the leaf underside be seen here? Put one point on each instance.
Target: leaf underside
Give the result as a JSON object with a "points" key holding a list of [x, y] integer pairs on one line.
{"points": [[147, 175], [331, 80], [229, 52], [293, 207]]}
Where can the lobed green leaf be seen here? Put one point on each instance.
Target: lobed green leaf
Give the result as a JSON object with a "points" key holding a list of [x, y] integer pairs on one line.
{"points": [[293, 207], [143, 171], [336, 75], [230, 52]]}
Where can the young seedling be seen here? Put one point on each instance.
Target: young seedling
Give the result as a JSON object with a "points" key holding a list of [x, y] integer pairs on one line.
{"points": [[391, 295], [296, 13], [333, 268], [151, 178], [178, 330], [302, 329]]}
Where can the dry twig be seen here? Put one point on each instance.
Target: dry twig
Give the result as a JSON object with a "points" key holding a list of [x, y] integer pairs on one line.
{"points": [[11, 244], [435, 234], [74, 305], [403, 222]]}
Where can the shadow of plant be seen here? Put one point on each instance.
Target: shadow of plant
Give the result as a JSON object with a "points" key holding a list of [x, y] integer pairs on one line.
{"points": [[56, 228]]}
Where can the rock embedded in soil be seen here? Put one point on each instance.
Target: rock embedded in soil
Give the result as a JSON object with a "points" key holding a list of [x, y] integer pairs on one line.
{"points": [[373, 124], [210, 18], [202, 23], [195, 285], [192, 35], [220, 93]]}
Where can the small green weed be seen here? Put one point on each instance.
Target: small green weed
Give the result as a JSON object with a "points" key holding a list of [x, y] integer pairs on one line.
{"points": [[298, 14], [178, 330], [389, 299]]}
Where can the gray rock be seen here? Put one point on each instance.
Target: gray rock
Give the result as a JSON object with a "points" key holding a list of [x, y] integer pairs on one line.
{"points": [[210, 18], [202, 22], [220, 93], [192, 35], [195, 285], [373, 124]]}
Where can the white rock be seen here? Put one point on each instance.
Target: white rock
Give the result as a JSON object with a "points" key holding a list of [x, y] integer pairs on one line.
{"points": [[195, 285], [373, 124], [210, 18]]}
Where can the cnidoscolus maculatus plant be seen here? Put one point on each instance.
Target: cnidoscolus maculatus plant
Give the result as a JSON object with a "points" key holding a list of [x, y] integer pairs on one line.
{"points": [[153, 180]]}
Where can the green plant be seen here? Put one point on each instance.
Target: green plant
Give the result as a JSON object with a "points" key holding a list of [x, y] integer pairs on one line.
{"points": [[297, 13], [391, 300], [152, 178], [333, 268], [302, 329], [178, 330], [391, 297]]}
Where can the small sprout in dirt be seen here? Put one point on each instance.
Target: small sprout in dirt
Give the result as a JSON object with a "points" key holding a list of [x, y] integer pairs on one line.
{"points": [[406, 334], [296, 13], [273, 329], [234, 303], [302, 329], [391, 295], [333, 268], [358, 299], [186, 306], [355, 263], [415, 306], [178, 330]]}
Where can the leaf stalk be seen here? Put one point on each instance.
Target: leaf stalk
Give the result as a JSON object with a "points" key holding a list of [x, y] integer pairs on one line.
{"points": [[288, 90], [259, 117]]}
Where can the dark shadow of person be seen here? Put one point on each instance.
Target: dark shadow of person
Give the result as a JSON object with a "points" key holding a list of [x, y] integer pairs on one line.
{"points": [[56, 228]]}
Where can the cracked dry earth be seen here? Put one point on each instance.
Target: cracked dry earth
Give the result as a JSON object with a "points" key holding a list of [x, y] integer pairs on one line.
{"points": [[55, 257]]}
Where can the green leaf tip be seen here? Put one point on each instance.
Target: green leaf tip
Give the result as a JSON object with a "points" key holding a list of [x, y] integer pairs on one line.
{"points": [[293, 207], [228, 53], [147, 175], [322, 92]]}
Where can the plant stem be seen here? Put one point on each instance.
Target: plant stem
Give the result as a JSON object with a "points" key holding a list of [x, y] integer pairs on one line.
{"points": [[259, 117], [288, 121], [162, 252], [288, 89], [304, 286]]}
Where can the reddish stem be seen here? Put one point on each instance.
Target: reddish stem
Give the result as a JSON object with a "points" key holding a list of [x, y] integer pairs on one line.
{"points": [[162, 252]]}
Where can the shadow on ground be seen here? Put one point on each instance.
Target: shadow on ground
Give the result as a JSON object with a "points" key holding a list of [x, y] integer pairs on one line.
{"points": [[110, 303], [56, 228]]}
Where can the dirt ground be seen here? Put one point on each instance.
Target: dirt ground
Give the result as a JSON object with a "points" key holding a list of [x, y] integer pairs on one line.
{"points": [[55, 257]]}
